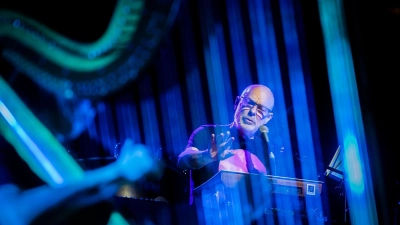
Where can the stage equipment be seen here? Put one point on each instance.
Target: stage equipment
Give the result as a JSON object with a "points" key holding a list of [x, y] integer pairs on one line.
{"points": [[245, 198]]}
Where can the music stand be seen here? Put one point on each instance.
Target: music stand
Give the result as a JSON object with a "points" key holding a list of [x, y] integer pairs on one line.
{"points": [[335, 172]]}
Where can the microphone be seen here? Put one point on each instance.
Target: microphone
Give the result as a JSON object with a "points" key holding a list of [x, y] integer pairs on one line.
{"points": [[264, 133]]}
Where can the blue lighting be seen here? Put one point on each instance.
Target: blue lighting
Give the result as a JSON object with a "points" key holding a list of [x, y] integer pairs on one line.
{"points": [[218, 85], [353, 164], [240, 51], [152, 138], [44, 161], [16, 23], [359, 189], [265, 49]]}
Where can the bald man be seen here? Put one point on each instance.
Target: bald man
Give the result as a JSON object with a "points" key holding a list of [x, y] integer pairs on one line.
{"points": [[238, 146]]}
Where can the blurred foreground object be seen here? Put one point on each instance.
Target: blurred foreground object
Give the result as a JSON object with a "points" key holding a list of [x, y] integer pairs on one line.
{"points": [[68, 187]]}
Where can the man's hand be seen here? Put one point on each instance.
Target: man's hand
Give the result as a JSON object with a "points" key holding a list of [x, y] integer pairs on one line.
{"points": [[220, 146]]}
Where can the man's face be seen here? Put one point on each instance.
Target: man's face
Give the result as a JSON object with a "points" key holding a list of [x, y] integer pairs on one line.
{"points": [[253, 110]]}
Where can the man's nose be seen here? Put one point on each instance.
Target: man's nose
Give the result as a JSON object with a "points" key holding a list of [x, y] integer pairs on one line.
{"points": [[253, 109]]}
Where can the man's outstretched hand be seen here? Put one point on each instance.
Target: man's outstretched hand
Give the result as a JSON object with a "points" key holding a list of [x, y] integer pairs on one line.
{"points": [[220, 146]]}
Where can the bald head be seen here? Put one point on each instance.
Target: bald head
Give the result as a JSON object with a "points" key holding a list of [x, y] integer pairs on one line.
{"points": [[261, 93], [253, 109]]}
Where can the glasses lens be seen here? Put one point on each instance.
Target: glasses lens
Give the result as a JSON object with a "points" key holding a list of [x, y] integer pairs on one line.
{"points": [[261, 110], [247, 103], [262, 113]]}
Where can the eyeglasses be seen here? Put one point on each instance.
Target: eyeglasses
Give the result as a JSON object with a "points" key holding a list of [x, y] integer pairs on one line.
{"points": [[262, 111]]}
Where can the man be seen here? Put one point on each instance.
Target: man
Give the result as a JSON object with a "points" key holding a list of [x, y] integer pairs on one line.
{"points": [[238, 146]]}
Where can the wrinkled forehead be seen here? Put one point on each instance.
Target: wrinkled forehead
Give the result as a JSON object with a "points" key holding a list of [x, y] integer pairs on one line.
{"points": [[261, 95]]}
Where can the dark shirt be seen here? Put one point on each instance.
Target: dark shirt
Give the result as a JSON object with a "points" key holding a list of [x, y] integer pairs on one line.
{"points": [[201, 139]]}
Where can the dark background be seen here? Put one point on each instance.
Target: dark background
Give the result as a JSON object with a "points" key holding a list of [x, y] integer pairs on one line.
{"points": [[373, 30]]}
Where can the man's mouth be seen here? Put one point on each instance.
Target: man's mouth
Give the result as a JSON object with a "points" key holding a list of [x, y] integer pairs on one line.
{"points": [[248, 121]]}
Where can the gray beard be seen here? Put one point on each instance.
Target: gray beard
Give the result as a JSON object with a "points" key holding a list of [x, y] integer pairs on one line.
{"points": [[247, 130]]}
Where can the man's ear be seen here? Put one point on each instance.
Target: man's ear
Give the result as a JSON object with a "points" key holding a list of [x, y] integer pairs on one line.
{"points": [[268, 118], [236, 102]]}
